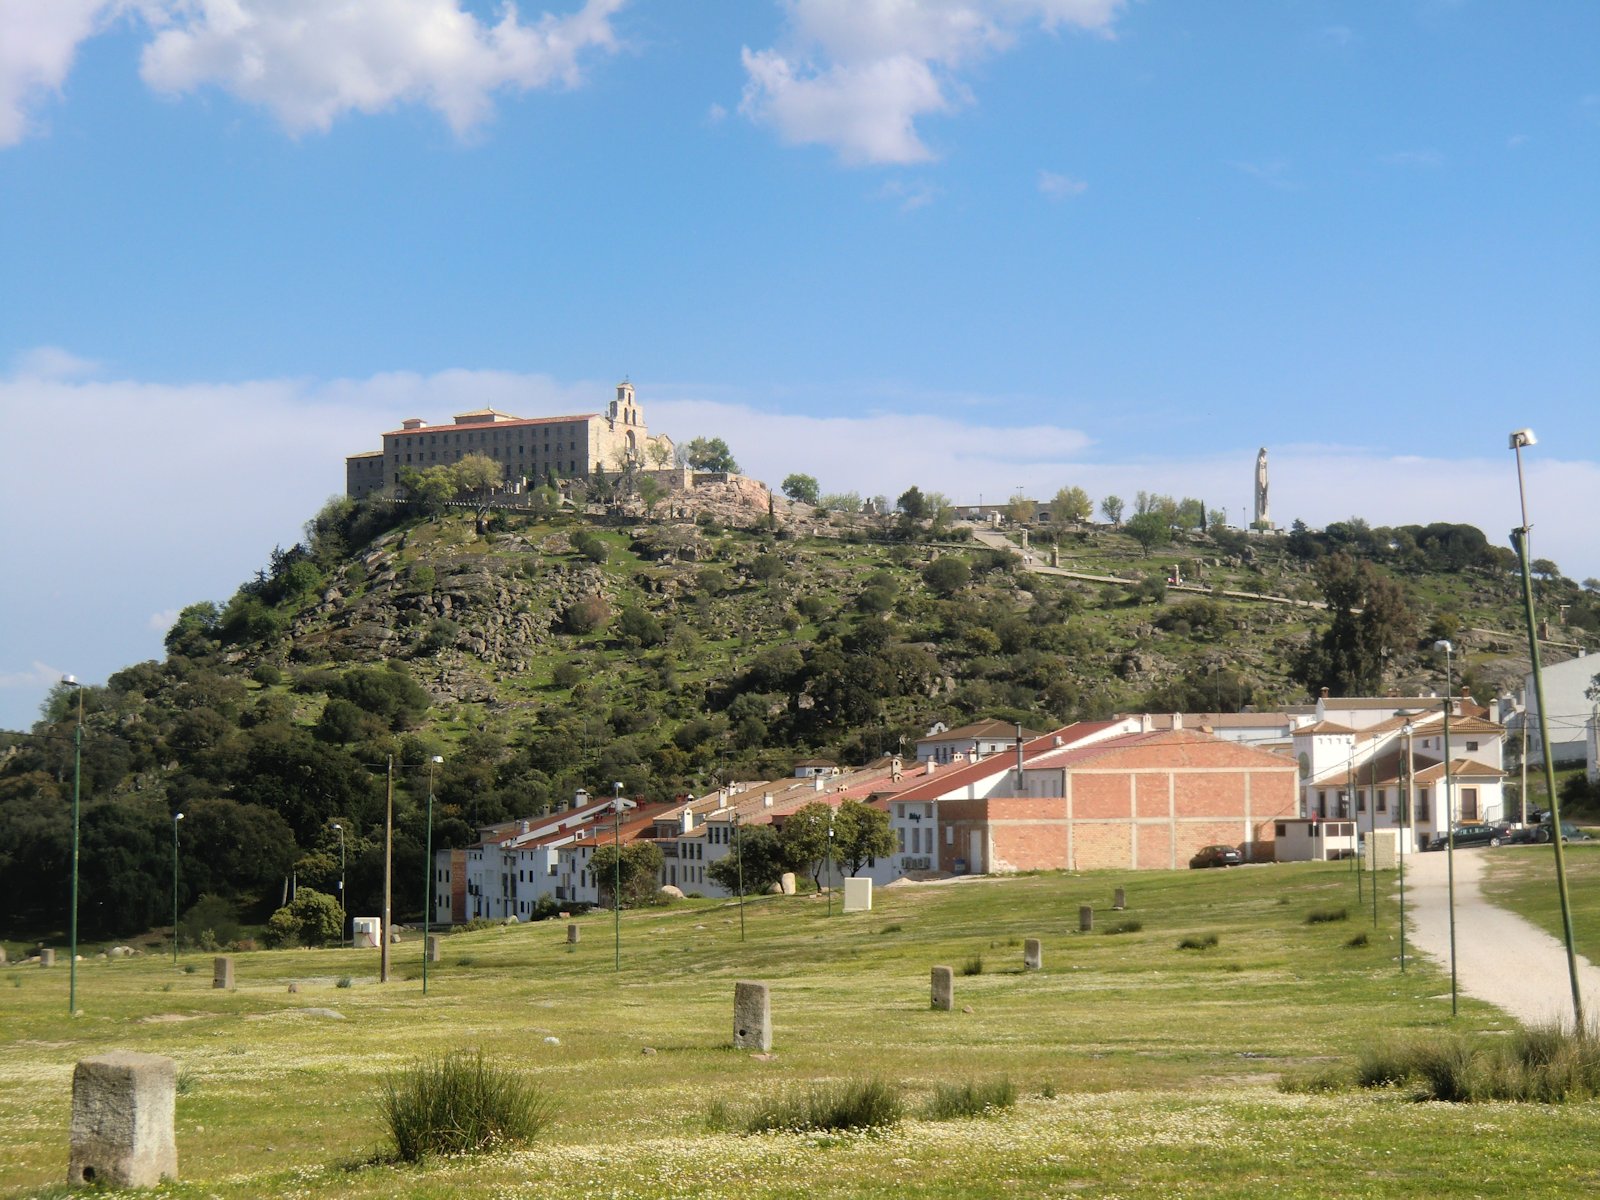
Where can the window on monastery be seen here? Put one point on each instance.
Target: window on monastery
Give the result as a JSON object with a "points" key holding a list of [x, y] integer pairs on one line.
{"points": [[1472, 745]]}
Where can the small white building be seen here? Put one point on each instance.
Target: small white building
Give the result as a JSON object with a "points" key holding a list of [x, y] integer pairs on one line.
{"points": [[1568, 711]]}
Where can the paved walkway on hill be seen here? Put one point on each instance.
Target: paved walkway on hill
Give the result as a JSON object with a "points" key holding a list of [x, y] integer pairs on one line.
{"points": [[999, 541], [1500, 957]]}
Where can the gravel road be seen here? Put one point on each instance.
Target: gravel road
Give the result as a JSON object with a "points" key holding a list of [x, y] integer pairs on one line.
{"points": [[1500, 957]]}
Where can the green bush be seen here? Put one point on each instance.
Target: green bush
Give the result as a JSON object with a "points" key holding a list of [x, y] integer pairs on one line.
{"points": [[1327, 916], [461, 1104], [1199, 941], [954, 1101], [973, 965], [310, 919], [852, 1104], [1125, 927]]}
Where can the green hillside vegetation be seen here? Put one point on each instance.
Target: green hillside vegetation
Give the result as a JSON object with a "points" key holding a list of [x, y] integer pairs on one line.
{"points": [[1139, 1068], [548, 650]]}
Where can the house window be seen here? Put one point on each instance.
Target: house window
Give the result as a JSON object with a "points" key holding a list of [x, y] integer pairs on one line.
{"points": [[1361, 801], [1423, 813], [1472, 745], [1382, 795], [949, 835], [1280, 829]]}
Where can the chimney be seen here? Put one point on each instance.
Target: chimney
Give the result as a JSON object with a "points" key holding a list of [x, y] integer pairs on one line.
{"points": [[1057, 741], [930, 767], [819, 782], [580, 798], [1324, 693], [1019, 754], [766, 799], [1145, 723], [1177, 720]]}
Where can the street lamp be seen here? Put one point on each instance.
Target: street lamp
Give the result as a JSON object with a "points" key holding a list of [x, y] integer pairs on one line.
{"points": [[427, 856], [738, 853], [830, 863], [617, 805], [344, 912], [1520, 438], [1449, 817], [77, 783], [388, 871], [176, 817], [1407, 731]]}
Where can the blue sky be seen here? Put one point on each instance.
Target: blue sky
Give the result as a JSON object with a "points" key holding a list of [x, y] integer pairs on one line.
{"points": [[972, 244]]}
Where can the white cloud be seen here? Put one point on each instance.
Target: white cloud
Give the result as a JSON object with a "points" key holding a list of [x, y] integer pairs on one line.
{"points": [[52, 362], [909, 195], [36, 677], [856, 75], [1273, 172], [38, 41], [157, 496], [1060, 187], [1413, 158], [311, 61]]}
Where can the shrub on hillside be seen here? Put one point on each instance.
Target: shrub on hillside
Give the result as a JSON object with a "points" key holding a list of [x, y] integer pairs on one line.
{"points": [[586, 615], [310, 919], [953, 1101], [853, 1104]]}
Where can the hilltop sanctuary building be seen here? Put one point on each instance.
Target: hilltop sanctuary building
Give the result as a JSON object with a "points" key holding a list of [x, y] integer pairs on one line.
{"points": [[528, 448]]}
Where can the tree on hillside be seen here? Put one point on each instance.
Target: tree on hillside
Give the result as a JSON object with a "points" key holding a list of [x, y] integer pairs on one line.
{"points": [[1070, 506], [1111, 506], [805, 838], [709, 454], [1020, 510], [762, 853], [1372, 618], [861, 834], [802, 488], [640, 868], [912, 504], [1149, 529], [947, 575]]}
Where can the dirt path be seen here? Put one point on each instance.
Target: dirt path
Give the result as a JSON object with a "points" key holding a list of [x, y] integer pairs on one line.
{"points": [[1500, 957]]}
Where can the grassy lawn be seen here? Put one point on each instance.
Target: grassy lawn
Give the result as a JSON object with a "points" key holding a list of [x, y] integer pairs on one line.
{"points": [[1524, 880], [1142, 1069]]}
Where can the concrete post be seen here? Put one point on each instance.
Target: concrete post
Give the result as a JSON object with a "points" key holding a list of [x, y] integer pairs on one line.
{"points": [[47, 958], [752, 1016], [1120, 901], [1032, 955], [944, 989], [435, 948], [122, 1120], [572, 935], [1085, 918], [222, 973]]}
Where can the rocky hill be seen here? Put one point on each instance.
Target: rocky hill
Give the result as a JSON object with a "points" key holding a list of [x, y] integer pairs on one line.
{"points": [[537, 652]]}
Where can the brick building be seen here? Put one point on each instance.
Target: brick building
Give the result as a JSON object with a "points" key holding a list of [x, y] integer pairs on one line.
{"points": [[1141, 800], [569, 447]]}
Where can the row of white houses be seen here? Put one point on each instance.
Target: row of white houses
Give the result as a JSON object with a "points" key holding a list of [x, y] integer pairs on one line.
{"points": [[1135, 791]]}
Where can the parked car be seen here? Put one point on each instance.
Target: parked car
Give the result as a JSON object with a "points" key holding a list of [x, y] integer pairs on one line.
{"points": [[1216, 856], [1473, 833], [1569, 833]]}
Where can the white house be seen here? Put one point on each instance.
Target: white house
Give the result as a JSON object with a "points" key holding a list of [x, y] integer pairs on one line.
{"points": [[1391, 775], [980, 739], [1568, 710]]}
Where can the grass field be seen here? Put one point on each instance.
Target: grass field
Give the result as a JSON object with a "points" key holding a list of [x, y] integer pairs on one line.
{"points": [[1141, 1069]]}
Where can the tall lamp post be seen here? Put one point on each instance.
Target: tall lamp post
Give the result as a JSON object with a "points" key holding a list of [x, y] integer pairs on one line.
{"points": [[738, 853], [617, 805], [77, 783], [830, 864], [1408, 732], [1449, 818], [1519, 439], [344, 912], [176, 817], [388, 871], [427, 857]]}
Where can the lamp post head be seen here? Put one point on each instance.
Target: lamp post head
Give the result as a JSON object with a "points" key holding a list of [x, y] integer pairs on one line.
{"points": [[176, 817], [1522, 437], [1444, 645], [438, 758], [71, 681], [338, 826]]}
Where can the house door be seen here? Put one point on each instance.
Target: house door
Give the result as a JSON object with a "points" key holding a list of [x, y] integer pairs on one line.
{"points": [[975, 852], [1469, 804]]}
